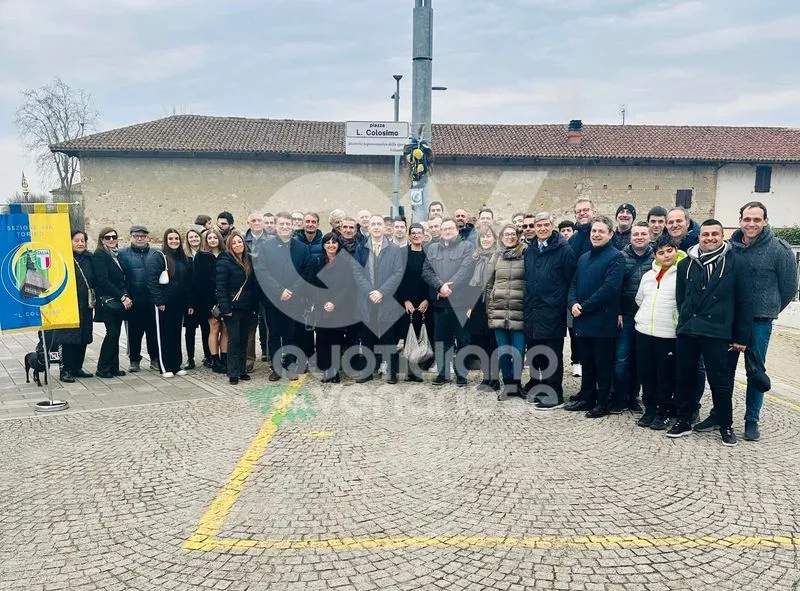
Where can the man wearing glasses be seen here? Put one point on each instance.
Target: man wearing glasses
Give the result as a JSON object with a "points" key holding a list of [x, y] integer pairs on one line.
{"points": [[584, 213], [529, 228], [141, 317]]}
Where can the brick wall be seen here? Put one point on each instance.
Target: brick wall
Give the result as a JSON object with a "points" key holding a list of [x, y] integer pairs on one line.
{"points": [[161, 192]]}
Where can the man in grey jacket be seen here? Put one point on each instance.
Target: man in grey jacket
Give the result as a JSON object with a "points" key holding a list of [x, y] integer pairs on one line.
{"points": [[774, 285], [447, 271]]}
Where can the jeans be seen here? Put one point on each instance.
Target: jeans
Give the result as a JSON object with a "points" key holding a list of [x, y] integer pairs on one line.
{"points": [[516, 340], [449, 337], [281, 334], [759, 342], [108, 361], [626, 380]]}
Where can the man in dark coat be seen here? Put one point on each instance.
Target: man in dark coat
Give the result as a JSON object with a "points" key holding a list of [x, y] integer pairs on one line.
{"points": [[141, 318], [683, 231], [447, 271], [378, 272], [638, 260], [549, 268], [584, 214], [774, 269], [278, 264], [594, 302], [714, 294], [626, 215]]}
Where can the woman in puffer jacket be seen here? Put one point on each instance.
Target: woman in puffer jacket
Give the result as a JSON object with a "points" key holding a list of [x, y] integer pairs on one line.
{"points": [[505, 303], [655, 335]]}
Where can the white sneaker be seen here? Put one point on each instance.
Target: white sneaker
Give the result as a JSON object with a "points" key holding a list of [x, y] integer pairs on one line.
{"points": [[400, 344], [577, 370], [167, 374], [382, 369], [181, 372]]}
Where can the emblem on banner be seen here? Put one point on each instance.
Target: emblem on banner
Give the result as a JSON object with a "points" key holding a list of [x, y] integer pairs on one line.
{"points": [[29, 275]]}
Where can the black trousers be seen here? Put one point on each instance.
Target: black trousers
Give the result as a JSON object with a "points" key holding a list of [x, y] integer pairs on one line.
{"points": [[109, 350], [449, 338], [282, 331], [371, 341], [168, 328], [327, 339], [574, 357], [597, 361], [72, 358], [238, 326], [141, 323], [543, 363], [717, 360], [657, 366], [190, 324]]}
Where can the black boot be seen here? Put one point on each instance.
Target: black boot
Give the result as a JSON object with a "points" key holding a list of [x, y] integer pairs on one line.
{"points": [[216, 365]]}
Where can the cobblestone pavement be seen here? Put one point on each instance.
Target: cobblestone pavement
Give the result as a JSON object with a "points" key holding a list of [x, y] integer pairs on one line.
{"points": [[304, 486]]}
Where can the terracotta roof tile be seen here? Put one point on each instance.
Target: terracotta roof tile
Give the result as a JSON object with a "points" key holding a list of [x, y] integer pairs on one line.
{"points": [[209, 135]]}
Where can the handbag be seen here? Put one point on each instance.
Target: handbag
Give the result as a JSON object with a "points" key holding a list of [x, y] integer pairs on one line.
{"points": [[215, 311], [92, 300], [163, 278], [417, 349], [112, 304]]}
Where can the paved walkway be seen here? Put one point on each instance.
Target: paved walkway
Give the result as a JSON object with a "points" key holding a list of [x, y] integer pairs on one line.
{"points": [[188, 483]]}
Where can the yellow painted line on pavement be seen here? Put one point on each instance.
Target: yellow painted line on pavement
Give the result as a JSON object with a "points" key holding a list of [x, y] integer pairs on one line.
{"points": [[536, 542], [773, 398], [217, 512]]}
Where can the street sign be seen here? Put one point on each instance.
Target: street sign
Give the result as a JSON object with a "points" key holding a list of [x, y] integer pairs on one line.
{"points": [[376, 138]]}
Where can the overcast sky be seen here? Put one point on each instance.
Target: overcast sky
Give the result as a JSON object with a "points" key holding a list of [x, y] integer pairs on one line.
{"points": [[724, 62]]}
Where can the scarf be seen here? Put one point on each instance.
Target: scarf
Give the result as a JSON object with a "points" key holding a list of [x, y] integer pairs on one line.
{"points": [[513, 252], [710, 259], [483, 268]]}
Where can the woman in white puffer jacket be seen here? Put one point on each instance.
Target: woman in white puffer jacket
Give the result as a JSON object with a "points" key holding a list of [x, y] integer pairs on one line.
{"points": [[655, 335]]}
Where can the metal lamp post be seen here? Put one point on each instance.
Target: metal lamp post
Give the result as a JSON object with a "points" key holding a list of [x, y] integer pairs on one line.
{"points": [[396, 181]]}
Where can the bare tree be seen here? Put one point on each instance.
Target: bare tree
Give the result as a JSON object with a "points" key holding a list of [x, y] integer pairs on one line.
{"points": [[50, 115]]}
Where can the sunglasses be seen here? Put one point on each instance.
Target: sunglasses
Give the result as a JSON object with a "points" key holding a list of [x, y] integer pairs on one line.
{"points": [[528, 226], [110, 237]]}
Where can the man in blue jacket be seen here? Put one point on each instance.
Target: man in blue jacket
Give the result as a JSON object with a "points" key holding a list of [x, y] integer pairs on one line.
{"points": [[584, 214], [594, 302], [141, 319], [549, 269], [278, 264]]}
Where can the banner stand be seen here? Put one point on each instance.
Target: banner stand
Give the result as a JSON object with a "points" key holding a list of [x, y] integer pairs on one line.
{"points": [[48, 405]]}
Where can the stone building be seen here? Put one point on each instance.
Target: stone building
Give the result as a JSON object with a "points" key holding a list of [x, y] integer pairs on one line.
{"points": [[162, 173]]}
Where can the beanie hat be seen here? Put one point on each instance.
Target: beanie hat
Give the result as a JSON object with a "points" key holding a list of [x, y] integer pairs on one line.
{"points": [[629, 207]]}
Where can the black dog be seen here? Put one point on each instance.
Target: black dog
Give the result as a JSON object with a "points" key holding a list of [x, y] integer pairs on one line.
{"points": [[35, 361]]}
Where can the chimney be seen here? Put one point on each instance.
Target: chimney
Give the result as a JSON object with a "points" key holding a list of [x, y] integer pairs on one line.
{"points": [[575, 132]]}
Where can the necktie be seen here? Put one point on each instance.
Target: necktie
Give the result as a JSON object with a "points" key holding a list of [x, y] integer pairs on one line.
{"points": [[377, 250]]}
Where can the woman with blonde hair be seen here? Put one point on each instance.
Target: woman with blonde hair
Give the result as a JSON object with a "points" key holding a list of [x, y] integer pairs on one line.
{"points": [[237, 298], [204, 299]]}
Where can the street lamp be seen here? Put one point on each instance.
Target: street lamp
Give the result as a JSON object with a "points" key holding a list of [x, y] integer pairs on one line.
{"points": [[396, 181]]}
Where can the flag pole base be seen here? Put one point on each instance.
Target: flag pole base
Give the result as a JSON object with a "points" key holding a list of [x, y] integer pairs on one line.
{"points": [[51, 405]]}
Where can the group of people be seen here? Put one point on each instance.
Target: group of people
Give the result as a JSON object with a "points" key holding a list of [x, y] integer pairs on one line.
{"points": [[658, 306]]}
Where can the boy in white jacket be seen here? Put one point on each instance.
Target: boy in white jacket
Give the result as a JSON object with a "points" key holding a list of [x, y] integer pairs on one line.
{"points": [[655, 335]]}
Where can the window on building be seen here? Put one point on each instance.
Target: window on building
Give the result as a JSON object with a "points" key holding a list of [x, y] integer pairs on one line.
{"points": [[763, 179], [683, 198]]}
